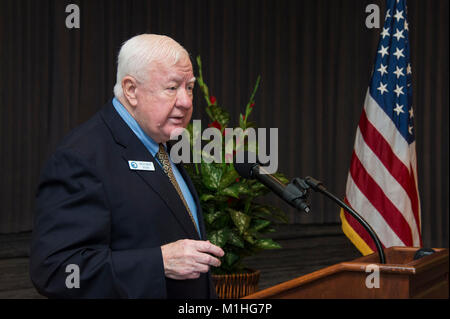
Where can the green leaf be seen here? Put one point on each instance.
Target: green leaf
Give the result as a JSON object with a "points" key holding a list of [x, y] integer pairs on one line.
{"points": [[267, 243], [230, 191], [235, 240], [219, 237], [260, 224], [206, 197], [257, 187], [269, 212], [242, 122], [211, 217], [262, 209], [279, 214], [199, 79], [235, 190], [222, 221], [249, 238], [241, 220], [199, 62], [211, 175], [248, 205], [230, 258], [228, 178], [252, 97]]}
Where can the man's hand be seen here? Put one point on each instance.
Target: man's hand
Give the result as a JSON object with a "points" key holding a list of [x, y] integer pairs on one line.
{"points": [[186, 259]]}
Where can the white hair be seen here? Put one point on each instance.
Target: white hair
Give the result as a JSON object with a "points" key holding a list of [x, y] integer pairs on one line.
{"points": [[137, 54]]}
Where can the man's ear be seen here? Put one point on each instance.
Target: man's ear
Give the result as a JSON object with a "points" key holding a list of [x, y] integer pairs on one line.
{"points": [[129, 87]]}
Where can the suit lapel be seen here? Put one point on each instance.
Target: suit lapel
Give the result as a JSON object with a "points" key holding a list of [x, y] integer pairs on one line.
{"points": [[157, 180]]}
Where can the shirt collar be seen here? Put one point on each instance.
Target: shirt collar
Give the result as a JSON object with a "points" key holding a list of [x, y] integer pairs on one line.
{"points": [[149, 143]]}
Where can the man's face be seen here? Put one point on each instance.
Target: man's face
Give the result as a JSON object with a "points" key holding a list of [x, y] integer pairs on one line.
{"points": [[164, 103]]}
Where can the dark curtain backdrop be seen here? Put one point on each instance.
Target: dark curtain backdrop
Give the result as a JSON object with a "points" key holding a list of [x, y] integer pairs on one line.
{"points": [[315, 59]]}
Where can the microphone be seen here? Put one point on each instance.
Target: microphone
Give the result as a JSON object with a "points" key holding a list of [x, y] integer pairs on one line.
{"points": [[296, 192], [422, 252], [293, 195]]}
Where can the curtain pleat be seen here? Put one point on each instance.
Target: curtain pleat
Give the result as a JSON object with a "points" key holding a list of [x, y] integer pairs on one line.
{"points": [[315, 59]]}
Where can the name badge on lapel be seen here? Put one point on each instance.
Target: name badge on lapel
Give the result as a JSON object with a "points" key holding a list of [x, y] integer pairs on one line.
{"points": [[141, 166]]}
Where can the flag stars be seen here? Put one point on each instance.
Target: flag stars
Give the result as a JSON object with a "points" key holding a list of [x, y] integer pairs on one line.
{"points": [[391, 83], [398, 15], [398, 109], [408, 69], [399, 72], [382, 69], [399, 35], [398, 90], [382, 88], [399, 53], [388, 14], [383, 51]]}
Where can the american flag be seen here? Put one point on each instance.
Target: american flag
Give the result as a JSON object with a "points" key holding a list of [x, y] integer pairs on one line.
{"points": [[382, 181]]}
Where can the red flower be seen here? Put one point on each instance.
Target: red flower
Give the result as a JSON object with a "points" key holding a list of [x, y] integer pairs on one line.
{"points": [[216, 125], [243, 117], [237, 180], [252, 105], [212, 99]]}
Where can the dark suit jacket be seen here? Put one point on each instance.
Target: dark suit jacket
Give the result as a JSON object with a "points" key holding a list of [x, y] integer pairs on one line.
{"points": [[110, 221]]}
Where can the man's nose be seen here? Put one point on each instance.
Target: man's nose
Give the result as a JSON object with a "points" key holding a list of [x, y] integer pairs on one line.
{"points": [[184, 98]]}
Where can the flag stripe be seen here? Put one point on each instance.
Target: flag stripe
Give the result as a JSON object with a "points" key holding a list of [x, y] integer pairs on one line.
{"points": [[399, 147], [397, 169], [359, 202], [364, 207], [354, 237], [392, 190], [384, 125], [360, 232], [381, 203], [416, 187]]}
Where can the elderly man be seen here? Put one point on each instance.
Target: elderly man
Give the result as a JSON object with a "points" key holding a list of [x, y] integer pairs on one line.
{"points": [[115, 217]]}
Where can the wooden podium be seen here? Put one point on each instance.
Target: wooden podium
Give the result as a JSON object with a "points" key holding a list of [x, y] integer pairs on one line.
{"points": [[400, 277]]}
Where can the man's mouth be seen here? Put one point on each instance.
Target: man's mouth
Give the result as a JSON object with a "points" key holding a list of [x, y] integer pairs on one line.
{"points": [[177, 119]]}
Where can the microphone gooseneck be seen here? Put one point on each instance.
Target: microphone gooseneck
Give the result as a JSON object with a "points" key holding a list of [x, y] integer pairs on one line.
{"points": [[318, 187], [296, 192]]}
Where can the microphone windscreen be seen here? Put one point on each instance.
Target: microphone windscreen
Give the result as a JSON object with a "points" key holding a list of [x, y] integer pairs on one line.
{"points": [[245, 168]]}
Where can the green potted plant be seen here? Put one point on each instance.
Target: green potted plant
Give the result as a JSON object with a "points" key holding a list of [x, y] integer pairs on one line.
{"points": [[234, 218]]}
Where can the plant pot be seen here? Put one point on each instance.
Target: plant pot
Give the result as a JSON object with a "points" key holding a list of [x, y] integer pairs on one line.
{"points": [[234, 286]]}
